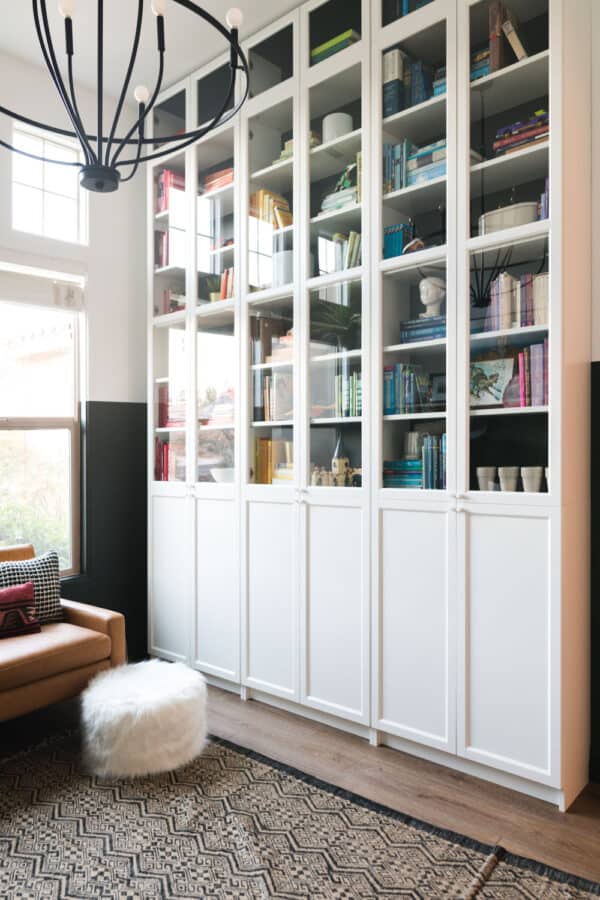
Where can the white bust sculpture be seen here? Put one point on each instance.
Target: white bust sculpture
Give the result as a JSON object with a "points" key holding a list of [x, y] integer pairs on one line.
{"points": [[433, 294]]}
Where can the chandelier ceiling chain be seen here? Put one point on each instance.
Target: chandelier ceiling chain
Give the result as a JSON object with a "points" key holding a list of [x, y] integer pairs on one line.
{"points": [[103, 168]]}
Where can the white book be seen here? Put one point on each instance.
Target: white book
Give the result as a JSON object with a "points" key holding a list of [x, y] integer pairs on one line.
{"points": [[540, 299], [506, 288], [517, 304], [393, 65]]}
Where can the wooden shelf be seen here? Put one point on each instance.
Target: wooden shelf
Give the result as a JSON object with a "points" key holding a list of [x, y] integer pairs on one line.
{"points": [[277, 177], [401, 267], [418, 123], [168, 319], [528, 164], [331, 357], [514, 85], [509, 236], [334, 278], [285, 423], [214, 427], [337, 420], [331, 158], [417, 198], [349, 217], [511, 337], [436, 343], [169, 270], [509, 411], [418, 416]]}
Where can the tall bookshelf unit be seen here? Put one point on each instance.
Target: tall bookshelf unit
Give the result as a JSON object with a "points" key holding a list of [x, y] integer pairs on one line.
{"points": [[328, 531]]}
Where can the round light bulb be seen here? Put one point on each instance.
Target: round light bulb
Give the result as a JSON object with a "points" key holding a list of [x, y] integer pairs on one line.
{"points": [[235, 18], [159, 7], [141, 94], [66, 8]]}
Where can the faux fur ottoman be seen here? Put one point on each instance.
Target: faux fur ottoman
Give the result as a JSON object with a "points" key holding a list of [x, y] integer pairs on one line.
{"points": [[142, 719]]}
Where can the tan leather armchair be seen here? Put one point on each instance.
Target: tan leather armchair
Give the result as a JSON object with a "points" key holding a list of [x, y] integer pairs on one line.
{"points": [[56, 664]]}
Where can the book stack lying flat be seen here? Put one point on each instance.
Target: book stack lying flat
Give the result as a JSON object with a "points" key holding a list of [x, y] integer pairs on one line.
{"points": [[406, 389], [396, 237], [339, 199], [273, 461], [337, 43], [426, 163], [342, 251], [519, 135], [171, 407], [517, 302], [423, 329], [270, 207], [480, 63], [216, 180], [403, 473]]}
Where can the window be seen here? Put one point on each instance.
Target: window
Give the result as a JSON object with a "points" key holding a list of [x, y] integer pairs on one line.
{"points": [[46, 198], [39, 430]]}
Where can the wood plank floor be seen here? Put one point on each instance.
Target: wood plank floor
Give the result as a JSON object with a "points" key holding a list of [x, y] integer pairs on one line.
{"points": [[440, 796]]}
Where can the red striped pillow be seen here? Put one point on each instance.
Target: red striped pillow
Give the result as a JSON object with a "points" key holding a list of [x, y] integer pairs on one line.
{"points": [[17, 611]]}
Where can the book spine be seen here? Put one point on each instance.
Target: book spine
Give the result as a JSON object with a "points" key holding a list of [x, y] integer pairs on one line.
{"points": [[527, 357], [522, 379]]}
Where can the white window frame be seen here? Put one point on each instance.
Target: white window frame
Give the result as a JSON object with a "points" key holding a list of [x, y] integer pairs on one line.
{"points": [[72, 424], [48, 141]]}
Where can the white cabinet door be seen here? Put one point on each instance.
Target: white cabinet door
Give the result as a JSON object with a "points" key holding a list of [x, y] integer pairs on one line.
{"points": [[217, 588], [172, 577], [271, 605], [414, 654], [507, 699], [335, 675]]}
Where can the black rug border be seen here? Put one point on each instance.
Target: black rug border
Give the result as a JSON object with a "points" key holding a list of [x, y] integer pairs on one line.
{"points": [[455, 837]]}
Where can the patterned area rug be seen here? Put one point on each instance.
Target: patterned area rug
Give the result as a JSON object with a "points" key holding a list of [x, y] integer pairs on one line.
{"points": [[230, 825]]}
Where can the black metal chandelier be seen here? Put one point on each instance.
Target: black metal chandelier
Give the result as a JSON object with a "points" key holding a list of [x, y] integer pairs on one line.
{"points": [[103, 151]]}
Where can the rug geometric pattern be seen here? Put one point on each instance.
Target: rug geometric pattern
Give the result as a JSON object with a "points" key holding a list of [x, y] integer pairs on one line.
{"points": [[230, 825]]}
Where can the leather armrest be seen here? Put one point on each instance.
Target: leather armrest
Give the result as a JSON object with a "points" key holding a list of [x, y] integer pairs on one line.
{"points": [[103, 620]]}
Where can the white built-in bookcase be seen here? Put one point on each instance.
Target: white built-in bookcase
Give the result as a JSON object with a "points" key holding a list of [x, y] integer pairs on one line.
{"points": [[450, 623]]}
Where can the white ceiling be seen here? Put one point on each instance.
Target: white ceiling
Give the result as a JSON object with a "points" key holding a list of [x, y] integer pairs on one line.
{"points": [[190, 41]]}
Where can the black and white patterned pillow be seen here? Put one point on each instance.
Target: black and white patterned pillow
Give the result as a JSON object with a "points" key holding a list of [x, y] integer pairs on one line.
{"points": [[45, 573]]}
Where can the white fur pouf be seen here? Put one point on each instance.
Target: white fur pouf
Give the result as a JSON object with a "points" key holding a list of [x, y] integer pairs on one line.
{"points": [[146, 718]]}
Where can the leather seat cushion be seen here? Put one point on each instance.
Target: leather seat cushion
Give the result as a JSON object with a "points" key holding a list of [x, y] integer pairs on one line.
{"points": [[59, 647]]}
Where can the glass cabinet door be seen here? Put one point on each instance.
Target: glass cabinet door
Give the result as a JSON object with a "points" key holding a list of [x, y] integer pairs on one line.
{"points": [[271, 197], [335, 385], [215, 220], [272, 391], [216, 367], [170, 402], [509, 320], [171, 225]]}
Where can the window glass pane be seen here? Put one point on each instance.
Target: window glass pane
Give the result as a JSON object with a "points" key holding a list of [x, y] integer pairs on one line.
{"points": [[37, 362], [60, 217], [61, 179], [28, 209], [35, 493], [26, 170]]}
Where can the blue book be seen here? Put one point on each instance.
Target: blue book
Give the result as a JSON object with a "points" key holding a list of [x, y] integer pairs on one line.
{"points": [[393, 97]]}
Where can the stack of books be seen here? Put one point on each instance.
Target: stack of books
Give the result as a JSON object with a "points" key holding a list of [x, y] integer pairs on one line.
{"points": [[288, 146], [169, 459], [533, 375], [516, 302], [227, 284], [167, 182], [403, 473], [396, 237], [342, 251], [334, 45], [426, 328], [523, 134], [480, 63], [406, 389], [439, 81], [340, 199], [426, 163], [171, 301], [395, 158], [348, 395], [171, 409], [216, 180], [270, 207], [170, 248], [273, 461]]}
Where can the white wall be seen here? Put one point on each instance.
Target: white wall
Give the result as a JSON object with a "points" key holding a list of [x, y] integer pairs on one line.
{"points": [[113, 263]]}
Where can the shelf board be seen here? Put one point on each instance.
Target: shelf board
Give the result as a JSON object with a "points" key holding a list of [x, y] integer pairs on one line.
{"points": [[276, 177], [417, 198], [163, 380], [213, 427], [485, 340], [418, 123], [169, 270], [524, 165], [509, 410], [285, 423], [331, 357], [217, 314], [222, 251], [334, 278], [408, 417], [223, 196], [167, 319], [278, 364], [331, 158], [270, 295], [176, 429], [400, 267], [162, 216], [415, 345], [338, 420], [524, 80], [509, 236], [345, 218]]}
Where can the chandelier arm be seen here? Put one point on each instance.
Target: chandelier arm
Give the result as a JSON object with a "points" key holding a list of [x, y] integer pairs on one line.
{"points": [[139, 152], [192, 137], [57, 162], [85, 144], [126, 83], [50, 59], [121, 145]]}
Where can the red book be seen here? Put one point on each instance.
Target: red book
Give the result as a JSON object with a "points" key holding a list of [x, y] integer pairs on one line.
{"points": [[167, 180], [165, 462], [497, 15], [163, 405], [522, 137]]}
